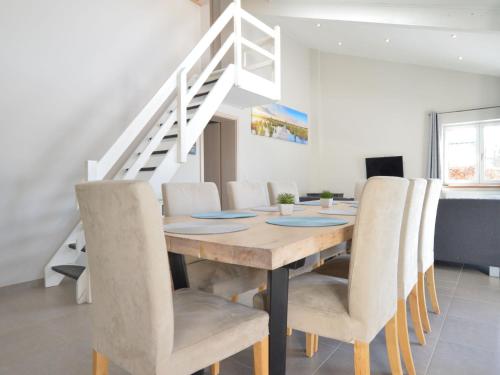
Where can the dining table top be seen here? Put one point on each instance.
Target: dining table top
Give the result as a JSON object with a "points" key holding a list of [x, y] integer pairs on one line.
{"points": [[262, 245]]}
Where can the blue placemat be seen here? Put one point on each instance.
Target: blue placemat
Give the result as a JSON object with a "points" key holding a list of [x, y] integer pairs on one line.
{"points": [[309, 203], [223, 215], [306, 221]]}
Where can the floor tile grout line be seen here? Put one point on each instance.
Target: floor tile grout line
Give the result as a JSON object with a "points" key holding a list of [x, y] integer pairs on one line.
{"points": [[444, 322], [327, 358]]}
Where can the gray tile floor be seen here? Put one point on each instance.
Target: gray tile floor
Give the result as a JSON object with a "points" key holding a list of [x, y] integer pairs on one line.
{"points": [[43, 331]]}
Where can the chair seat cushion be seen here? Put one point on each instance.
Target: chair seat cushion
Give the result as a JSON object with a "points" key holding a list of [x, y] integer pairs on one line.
{"points": [[225, 280], [319, 304], [208, 328], [337, 267]]}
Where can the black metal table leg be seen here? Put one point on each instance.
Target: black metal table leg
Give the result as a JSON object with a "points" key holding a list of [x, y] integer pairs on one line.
{"points": [[277, 294], [178, 270], [180, 278]]}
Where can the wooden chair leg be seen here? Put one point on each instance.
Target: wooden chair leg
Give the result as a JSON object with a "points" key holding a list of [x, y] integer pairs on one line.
{"points": [[361, 358], [415, 315], [316, 343], [404, 339], [431, 287], [422, 306], [310, 345], [99, 364], [391, 342], [261, 357], [215, 368], [289, 331]]}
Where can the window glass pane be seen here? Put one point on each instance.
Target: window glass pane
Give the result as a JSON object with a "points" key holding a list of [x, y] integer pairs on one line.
{"points": [[491, 152], [461, 153]]}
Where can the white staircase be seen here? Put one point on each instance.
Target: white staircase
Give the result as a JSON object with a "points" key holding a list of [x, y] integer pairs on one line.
{"points": [[158, 140]]}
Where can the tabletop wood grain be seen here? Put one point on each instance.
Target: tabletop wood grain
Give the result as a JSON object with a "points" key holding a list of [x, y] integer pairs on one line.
{"points": [[263, 245]]}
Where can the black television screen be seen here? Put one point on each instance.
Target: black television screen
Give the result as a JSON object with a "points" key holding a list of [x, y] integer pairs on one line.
{"points": [[385, 166]]}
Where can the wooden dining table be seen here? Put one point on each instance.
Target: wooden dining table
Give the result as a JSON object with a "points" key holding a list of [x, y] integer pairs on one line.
{"points": [[273, 248]]}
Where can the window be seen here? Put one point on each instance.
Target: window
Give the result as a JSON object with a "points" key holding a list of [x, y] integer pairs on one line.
{"points": [[471, 153]]}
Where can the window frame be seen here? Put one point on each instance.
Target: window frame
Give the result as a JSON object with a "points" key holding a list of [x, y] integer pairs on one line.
{"points": [[479, 180]]}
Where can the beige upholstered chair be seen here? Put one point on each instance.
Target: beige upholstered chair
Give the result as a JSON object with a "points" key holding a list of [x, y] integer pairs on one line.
{"points": [[407, 270], [138, 322], [276, 188], [426, 251], [354, 311], [225, 280], [245, 194], [358, 189]]}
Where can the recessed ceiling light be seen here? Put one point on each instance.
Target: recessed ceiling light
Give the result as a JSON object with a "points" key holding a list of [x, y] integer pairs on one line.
{"points": [[339, 44], [460, 58], [318, 25], [454, 36], [387, 40]]}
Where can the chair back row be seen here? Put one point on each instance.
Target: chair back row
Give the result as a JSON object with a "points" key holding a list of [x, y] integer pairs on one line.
{"points": [[190, 198]]}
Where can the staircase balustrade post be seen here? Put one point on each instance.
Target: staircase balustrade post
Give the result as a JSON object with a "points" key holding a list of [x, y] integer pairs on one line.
{"points": [[181, 115]]}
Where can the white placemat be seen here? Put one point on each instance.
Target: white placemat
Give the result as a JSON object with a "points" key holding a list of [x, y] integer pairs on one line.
{"points": [[339, 212], [204, 227]]}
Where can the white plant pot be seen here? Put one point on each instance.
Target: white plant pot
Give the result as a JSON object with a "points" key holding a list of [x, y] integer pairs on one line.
{"points": [[286, 209], [326, 202]]}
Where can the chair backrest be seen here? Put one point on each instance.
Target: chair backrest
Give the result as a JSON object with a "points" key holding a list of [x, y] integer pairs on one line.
{"points": [[358, 189], [374, 256], [428, 224], [408, 243], [131, 310], [277, 188], [190, 198], [245, 194]]}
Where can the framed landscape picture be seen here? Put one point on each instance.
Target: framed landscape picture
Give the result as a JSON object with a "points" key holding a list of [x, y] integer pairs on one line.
{"points": [[280, 122]]}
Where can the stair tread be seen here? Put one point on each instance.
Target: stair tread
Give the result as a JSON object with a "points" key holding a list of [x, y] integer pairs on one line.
{"points": [[159, 152], [147, 169], [70, 270], [170, 136]]}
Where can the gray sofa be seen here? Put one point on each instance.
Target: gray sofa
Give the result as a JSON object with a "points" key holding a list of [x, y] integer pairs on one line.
{"points": [[468, 231]]}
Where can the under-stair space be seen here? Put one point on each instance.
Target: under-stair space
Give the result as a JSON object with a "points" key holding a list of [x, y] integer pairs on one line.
{"points": [[158, 140]]}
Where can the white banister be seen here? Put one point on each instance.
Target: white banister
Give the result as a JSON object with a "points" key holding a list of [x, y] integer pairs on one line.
{"points": [[135, 128], [257, 23], [208, 38], [277, 61], [210, 68], [237, 42], [181, 115], [99, 169], [257, 48]]}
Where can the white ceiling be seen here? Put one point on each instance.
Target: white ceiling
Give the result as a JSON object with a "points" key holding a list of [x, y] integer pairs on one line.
{"points": [[419, 32]]}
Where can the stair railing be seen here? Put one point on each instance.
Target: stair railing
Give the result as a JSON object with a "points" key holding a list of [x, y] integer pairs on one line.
{"points": [[177, 85]]}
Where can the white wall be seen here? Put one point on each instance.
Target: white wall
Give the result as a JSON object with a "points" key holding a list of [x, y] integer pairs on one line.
{"points": [[372, 108], [73, 75]]}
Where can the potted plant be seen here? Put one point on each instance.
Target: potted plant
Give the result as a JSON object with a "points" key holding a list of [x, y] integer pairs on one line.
{"points": [[326, 199], [286, 202]]}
